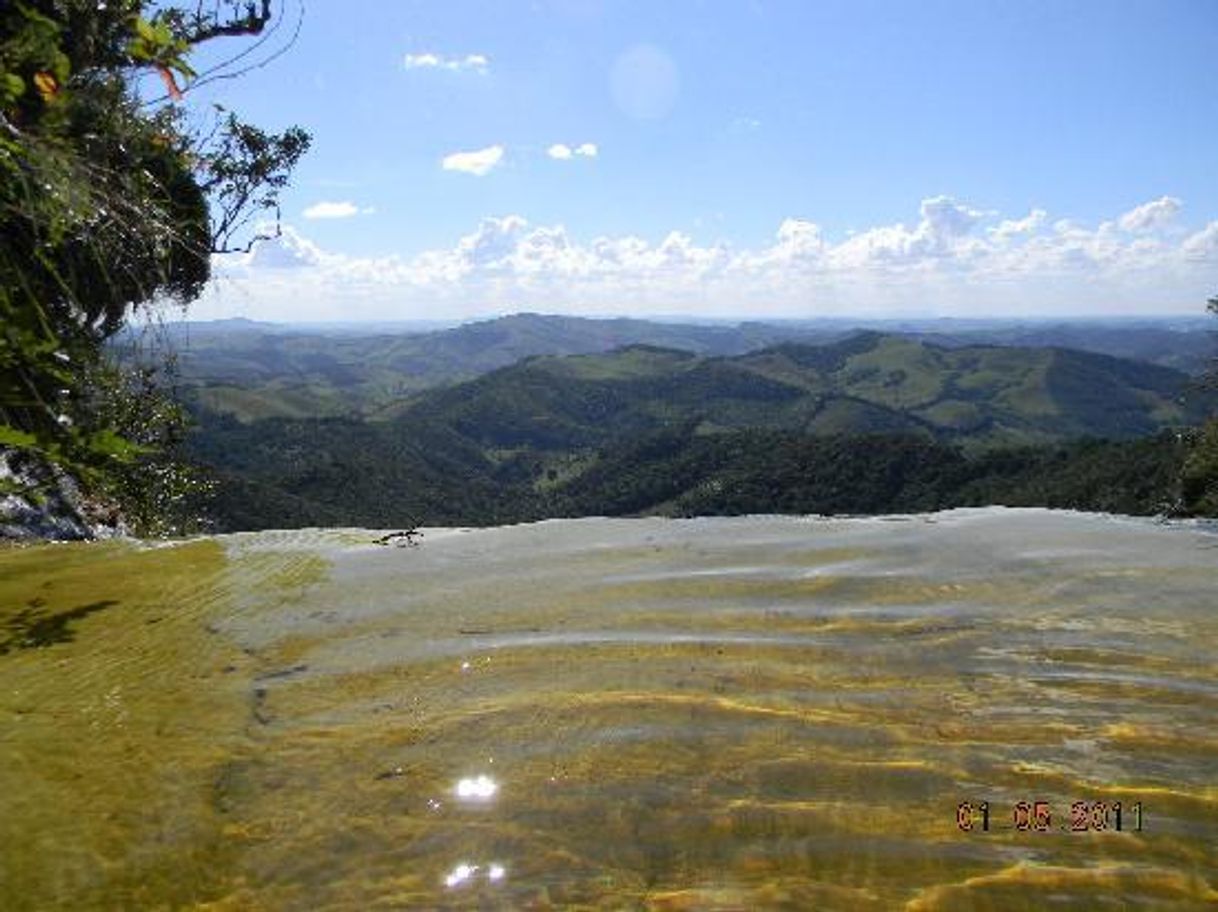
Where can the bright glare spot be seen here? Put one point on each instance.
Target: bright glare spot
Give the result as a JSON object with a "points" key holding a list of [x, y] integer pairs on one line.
{"points": [[478, 788], [459, 875], [463, 873], [465, 666]]}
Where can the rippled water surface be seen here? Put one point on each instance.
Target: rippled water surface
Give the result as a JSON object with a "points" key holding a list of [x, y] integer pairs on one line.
{"points": [[702, 714]]}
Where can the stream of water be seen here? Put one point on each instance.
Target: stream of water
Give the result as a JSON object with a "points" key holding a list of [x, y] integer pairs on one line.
{"points": [[982, 709]]}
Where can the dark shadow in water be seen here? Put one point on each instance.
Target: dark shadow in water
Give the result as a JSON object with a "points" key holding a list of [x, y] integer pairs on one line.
{"points": [[34, 628]]}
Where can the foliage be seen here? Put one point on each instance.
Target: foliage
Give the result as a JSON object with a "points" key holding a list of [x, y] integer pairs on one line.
{"points": [[1212, 374], [280, 473], [104, 208], [346, 471], [873, 383], [160, 491], [649, 430], [1199, 478], [244, 170]]}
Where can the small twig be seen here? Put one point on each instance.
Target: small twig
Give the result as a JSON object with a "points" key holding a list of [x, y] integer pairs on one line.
{"points": [[410, 536]]}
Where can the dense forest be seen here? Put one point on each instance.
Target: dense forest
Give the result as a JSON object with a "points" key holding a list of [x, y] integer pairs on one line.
{"points": [[871, 423], [286, 473]]}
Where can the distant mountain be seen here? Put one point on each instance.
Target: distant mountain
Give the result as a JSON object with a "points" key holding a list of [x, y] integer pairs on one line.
{"points": [[255, 370], [866, 423], [867, 383], [1189, 347]]}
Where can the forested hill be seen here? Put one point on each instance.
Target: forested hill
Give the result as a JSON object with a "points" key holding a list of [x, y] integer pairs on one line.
{"points": [[870, 423], [256, 370], [867, 383], [1187, 345]]}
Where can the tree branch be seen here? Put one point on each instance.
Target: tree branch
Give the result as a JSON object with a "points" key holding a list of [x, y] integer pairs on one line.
{"points": [[251, 24]]}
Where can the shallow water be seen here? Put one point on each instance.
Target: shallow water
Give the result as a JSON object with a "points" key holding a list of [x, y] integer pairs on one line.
{"points": [[700, 714]]}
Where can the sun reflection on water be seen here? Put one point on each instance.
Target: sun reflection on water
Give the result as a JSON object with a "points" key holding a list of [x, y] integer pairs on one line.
{"points": [[459, 875], [465, 873], [476, 788]]}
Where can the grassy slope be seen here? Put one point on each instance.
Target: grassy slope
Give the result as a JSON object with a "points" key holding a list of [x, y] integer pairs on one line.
{"points": [[868, 383], [259, 370], [647, 428]]}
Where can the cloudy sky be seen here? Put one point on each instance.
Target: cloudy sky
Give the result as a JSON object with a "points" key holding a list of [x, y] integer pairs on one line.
{"points": [[739, 159]]}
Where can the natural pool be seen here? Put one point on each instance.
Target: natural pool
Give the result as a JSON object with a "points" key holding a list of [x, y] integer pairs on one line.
{"points": [[699, 714]]}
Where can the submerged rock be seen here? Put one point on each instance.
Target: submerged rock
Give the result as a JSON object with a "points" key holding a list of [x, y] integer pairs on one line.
{"points": [[986, 708]]}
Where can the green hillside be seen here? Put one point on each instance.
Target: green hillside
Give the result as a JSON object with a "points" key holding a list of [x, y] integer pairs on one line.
{"points": [[675, 474], [283, 473], [259, 370], [1186, 345], [286, 474], [870, 423], [868, 383]]}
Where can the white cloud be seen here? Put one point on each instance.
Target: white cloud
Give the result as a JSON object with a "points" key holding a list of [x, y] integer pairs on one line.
{"points": [[288, 250], [1149, 216], [956, 259], [1009, 229], [1203, 245], [945, 218], [421, 61], [942, 233], [478, 63], [331, 210], [479, 162], [490, 245], [563, 152]]}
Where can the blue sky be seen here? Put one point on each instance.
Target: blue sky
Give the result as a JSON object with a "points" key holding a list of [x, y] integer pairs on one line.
{"points": [[737, 159]]}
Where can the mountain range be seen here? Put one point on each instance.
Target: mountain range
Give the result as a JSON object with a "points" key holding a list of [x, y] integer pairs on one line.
{"points": [[257, 370], [647, 428], [869, 382]]}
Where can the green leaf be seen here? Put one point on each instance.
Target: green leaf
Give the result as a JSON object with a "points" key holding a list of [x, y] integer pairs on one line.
{"points": [[10, 436], [12, 87], [108, 443], [179, 65]]}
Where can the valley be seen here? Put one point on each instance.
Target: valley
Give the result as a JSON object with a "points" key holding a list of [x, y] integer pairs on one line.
{"points": [[857, 422]]}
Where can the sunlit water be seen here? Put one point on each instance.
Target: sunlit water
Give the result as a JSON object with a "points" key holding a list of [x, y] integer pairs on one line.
{"points": [[702, 714]]}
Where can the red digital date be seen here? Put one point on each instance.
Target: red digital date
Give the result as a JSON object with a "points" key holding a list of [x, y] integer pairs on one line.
{"points": [[1037, 816]]}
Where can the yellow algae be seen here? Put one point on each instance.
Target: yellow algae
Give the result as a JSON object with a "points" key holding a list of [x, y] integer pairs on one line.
{"points": [[733, 714], [1029, 886], [114, 725], [1152, 737]]}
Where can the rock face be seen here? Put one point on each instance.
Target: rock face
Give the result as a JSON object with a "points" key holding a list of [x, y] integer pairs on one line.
{"points": [[58, 512]]}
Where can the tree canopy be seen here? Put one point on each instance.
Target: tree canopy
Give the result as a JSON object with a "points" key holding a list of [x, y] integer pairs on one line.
{"points": [[1199, 479], [109, 201]]}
